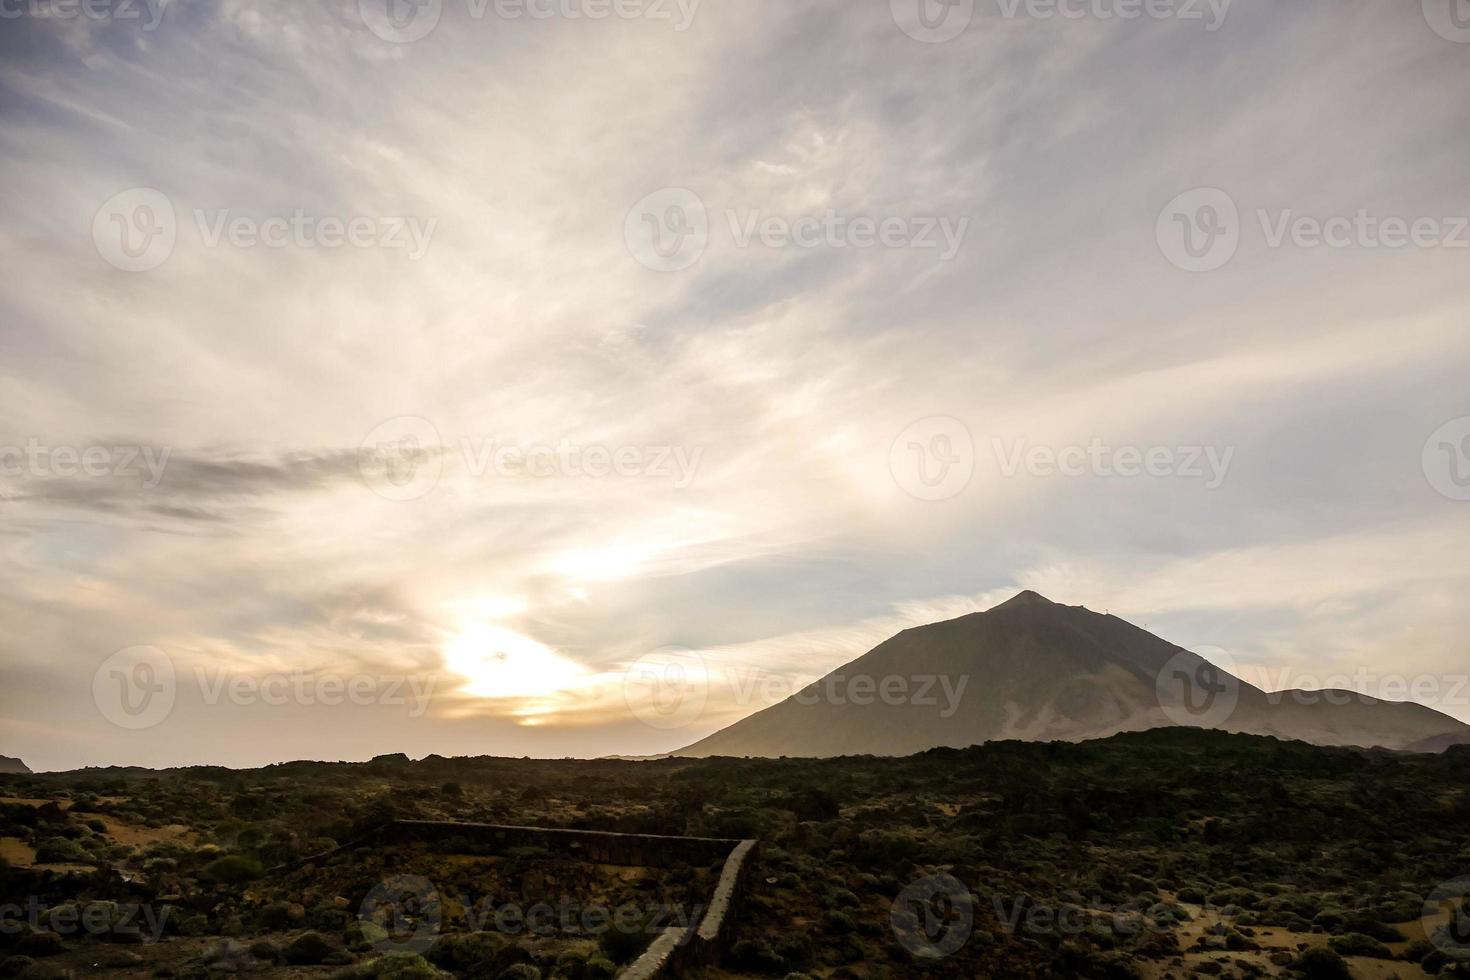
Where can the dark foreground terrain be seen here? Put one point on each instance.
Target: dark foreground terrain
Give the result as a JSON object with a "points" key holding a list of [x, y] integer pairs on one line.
{"points": [[1170, 853]]}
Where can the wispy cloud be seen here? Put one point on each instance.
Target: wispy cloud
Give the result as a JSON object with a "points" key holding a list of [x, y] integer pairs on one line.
{"points": [[277, 539]]}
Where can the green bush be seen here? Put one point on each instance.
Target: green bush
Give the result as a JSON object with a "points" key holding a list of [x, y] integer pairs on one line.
{"points": [[1357, 944], [520, 971], [599, 968], [308, 949], [1322, 964], [396, 966], [232, 869], [471, 952]]}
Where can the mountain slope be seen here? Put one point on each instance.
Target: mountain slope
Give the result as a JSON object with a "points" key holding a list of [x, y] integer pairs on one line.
{"points": [[1034, 670], [12, 766]]}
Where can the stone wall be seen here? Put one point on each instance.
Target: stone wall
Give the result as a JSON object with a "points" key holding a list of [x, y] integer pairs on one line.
{"points": [[598, 847], [674, 951]]}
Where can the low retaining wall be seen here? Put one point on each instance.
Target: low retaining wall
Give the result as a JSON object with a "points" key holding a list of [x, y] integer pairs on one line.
{"points": [[599, 847], [674, 951]]}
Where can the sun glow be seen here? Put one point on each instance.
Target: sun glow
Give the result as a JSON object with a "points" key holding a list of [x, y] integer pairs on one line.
{"points": [[497, 662]]}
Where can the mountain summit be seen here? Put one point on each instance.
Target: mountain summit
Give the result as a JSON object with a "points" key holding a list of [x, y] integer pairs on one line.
{"points": [[1035, 670]]}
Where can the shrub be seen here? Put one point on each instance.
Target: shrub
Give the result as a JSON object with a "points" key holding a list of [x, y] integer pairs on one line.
{"points": [[59, 850], [1322, 964], [1357, 944], [468, 952], [520, 971], [396, 966], [232, 869], [308, 949], [622, 944]]}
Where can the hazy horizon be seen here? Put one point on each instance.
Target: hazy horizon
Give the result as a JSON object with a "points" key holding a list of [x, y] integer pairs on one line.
{"points": [[486, 369]]}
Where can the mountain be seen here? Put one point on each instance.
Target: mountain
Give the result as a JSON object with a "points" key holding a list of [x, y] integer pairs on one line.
{"points": [[1034, 670], [12, 766]]}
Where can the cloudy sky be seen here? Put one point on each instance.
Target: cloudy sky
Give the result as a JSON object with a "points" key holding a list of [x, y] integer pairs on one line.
{"points": [[410, 379]]}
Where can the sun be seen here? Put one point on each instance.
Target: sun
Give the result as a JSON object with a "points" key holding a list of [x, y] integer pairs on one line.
{"points": [[497, 662]]}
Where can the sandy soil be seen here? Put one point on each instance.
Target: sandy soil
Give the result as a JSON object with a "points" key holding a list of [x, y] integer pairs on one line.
{"points": [[127, 833], [17, 852], [1271, 940]]}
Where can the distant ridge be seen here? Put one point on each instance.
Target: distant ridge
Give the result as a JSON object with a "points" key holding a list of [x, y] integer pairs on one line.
{"points": [[1033, 670], [9, 766]]}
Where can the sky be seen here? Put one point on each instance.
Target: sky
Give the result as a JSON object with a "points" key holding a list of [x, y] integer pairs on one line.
{"points": [[439, 378]]}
